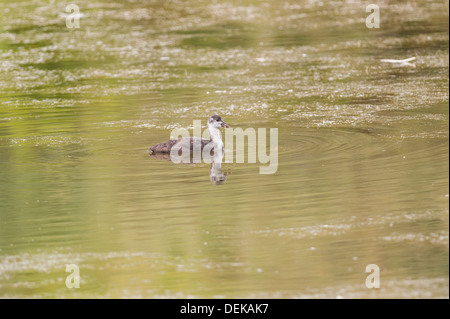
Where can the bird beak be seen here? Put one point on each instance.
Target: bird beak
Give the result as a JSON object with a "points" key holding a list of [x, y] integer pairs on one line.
{"points": [[225, 125]]}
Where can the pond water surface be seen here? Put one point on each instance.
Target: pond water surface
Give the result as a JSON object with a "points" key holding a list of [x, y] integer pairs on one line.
{"points": [[363, 149]]}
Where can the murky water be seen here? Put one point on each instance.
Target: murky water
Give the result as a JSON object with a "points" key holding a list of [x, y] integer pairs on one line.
{"points": [[363, 149]]}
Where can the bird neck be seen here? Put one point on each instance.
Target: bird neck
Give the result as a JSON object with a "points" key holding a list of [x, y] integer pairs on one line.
{"points": [[215, 135]]}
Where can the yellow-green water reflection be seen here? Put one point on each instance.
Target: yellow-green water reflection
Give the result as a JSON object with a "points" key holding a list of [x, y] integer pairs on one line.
{"points": [[363, 149]]}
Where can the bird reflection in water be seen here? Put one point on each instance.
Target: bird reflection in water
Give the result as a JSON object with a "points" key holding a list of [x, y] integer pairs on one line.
{"points": [[216, 175]]}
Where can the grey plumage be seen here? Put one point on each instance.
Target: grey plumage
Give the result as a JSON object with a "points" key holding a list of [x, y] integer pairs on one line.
{"points": [[187, 142]]}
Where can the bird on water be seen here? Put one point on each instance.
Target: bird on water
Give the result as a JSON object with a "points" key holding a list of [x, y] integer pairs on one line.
{"points": [[214, 123]]}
